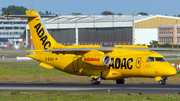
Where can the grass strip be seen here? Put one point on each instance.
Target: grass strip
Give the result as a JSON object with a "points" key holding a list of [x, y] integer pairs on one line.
{"points": [[31, 72], [66, 96], [28, 69]]}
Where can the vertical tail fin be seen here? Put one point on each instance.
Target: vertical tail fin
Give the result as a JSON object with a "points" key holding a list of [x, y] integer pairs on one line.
{"points": [[40, 36]]}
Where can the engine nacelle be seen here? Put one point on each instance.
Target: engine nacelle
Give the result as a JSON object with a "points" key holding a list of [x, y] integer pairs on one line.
{"points": [[97, 60]]}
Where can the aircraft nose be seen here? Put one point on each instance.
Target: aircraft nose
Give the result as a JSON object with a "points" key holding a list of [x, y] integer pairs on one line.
{"points": [[172, 71]]}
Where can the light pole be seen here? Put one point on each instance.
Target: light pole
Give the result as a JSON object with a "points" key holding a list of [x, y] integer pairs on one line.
{"points": [[133, 26], [113, 16], [94, 17], [32, 48], [75, 14], [76, 28], [31, 4]]}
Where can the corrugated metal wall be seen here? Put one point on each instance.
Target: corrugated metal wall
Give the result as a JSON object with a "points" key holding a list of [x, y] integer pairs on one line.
{"points": [[107, 37], [63, 36], [155, 22]]}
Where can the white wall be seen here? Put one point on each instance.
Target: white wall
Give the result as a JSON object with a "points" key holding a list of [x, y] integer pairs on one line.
{"points": [[144, 36]]}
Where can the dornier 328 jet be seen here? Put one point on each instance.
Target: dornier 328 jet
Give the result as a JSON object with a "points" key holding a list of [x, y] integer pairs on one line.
{"points": [[99, 63]]}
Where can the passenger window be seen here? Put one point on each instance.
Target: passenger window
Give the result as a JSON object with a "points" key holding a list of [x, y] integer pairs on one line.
{"points": [[160, 59], [150, 59]]}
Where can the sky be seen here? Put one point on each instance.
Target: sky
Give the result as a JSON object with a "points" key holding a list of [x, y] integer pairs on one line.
{"points": [[86, 7]]}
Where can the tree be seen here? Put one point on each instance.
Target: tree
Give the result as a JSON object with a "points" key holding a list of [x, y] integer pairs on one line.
{"points": [[46, 13], [23, 36], [142, 13], [41, 13], [119, 14], [154, 43], [178, 15], [14, 10], [107, 13], [75, 13]]}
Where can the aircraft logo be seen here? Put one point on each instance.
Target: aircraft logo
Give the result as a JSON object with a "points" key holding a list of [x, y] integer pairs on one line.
{"points": [[41, 35]]}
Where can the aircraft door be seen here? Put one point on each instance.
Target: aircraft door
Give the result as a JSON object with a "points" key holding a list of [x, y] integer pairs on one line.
{"points": [[75, 64], [138, 62]]}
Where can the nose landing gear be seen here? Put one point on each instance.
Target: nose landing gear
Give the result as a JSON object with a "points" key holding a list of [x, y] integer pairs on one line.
{"points": [[162, 81]]}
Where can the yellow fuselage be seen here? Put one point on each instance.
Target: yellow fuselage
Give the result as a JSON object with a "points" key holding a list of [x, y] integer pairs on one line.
{"points": [[124, 63]]}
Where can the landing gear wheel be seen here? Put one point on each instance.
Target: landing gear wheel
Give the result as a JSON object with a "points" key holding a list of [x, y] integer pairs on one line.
{"points": [[120, 81], [95, 82], [162, 82]]}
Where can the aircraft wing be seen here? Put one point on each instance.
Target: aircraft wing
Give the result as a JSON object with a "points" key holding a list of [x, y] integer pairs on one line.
{"points": [[74, 50], [162, 49], [140, 47], [80, 49], [157, 49]]}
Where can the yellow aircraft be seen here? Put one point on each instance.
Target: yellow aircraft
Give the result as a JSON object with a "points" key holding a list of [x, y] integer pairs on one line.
{"points": [[99, 63]]}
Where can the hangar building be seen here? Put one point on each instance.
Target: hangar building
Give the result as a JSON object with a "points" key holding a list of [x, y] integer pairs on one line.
{"points": [[146, 29], [106, 31]]}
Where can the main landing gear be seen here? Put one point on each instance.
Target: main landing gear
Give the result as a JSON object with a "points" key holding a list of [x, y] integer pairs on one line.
{"points": [[120, 81], [162, 81], [97, 80]]}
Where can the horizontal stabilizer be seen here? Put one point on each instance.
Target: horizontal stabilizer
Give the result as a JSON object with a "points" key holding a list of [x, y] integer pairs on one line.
{"points": [[22, 16], [45, 65], [30, 16]]}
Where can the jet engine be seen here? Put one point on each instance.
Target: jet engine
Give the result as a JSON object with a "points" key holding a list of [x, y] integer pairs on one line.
{"points": [[97, 60]]}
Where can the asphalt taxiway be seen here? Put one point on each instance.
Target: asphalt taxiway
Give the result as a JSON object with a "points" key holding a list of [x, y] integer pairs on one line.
{"points": [[88, 87]]}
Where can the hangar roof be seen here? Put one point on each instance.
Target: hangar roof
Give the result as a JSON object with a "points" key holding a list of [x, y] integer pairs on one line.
{"points": [[90, 18], [162, 16], [101, 18]]}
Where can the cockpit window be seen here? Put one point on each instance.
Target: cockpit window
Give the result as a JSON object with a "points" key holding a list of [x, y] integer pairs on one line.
{"points": [[150, 59], [160, 59]]}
